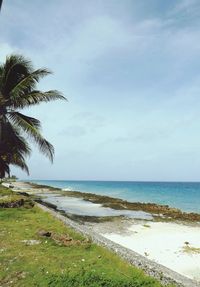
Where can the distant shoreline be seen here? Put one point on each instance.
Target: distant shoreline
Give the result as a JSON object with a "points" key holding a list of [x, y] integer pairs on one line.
{"points": [[183, 196], [106, 180], [159, 212]]}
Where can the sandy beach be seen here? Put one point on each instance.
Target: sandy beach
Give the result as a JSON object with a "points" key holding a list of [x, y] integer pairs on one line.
{"points": [[174, 244]]}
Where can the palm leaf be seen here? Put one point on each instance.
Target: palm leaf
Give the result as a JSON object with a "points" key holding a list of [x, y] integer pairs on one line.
{"points": [[13, 141], [36, 97], [27, 84], [19, 161], [29, 127], [4, 168], [24, 121], [15, 69]]}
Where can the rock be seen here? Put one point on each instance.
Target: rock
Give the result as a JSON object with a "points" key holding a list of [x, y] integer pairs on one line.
{"points": [[31, 242], [44, 233], [23, 193]]}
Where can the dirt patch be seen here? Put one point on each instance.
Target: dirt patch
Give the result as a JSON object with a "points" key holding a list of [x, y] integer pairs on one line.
{"points": [[63, 239], [16, 203], [12, 204]]}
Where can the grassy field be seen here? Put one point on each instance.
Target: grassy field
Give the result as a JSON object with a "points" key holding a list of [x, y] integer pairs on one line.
{"points": [[55, 261]]}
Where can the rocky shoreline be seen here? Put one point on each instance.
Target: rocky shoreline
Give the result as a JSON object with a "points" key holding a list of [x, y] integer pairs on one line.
{"points": [[159, 212], [162, 273]]}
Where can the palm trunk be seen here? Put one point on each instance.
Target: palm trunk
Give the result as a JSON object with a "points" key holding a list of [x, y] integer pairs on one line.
{"points": [[1, 130], [0, 143], [2, 120], [1, 140]]}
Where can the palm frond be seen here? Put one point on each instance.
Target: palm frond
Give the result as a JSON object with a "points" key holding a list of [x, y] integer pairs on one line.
{"points": [[13, 141], [19, 161], [1, 76], [27, 84], [4, 168], [36, 97], [15, 69], [24, 123]]}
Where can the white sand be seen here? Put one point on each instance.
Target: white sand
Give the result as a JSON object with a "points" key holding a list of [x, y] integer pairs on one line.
{"points": [[163, 243]]}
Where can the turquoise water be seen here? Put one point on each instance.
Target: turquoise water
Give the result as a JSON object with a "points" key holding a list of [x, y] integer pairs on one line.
{"points": [[183, 195]]}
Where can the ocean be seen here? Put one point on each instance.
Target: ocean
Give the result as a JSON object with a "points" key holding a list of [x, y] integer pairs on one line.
{"points": [[182, 195]]}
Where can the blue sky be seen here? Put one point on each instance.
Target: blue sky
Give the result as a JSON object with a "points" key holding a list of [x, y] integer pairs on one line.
{"points": [[131, 72]]}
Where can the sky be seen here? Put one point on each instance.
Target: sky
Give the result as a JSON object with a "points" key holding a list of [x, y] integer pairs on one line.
{"points": [[131, 73]]}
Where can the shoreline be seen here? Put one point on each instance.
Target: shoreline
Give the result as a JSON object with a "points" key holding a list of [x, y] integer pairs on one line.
{"points": [[181, 236], [151, 268], [159, 212], [181, 195]]}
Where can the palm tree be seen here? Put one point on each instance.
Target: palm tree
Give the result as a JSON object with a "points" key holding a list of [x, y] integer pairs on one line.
{"points": [[18, 81]]}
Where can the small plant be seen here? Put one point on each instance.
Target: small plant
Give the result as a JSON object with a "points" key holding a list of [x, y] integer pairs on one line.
{"points": [[147, 225], [191, 250]]}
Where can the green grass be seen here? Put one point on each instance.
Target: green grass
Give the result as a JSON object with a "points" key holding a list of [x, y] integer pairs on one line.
{"points": [[5, 191], [9, 198], [52, 264]]}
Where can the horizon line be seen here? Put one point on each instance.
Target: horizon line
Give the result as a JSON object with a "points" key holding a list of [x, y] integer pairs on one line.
{"points": [[95, 180]]}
